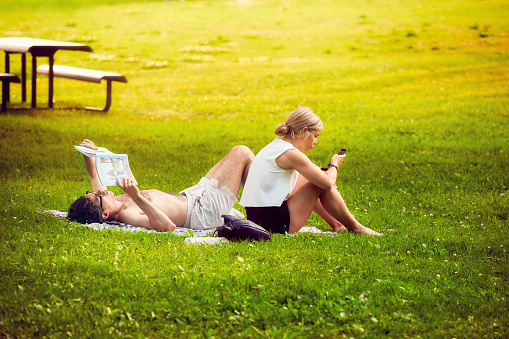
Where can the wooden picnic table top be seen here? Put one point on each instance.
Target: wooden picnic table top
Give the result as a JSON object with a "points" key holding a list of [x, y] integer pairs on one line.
{"points": [[39, 46]]}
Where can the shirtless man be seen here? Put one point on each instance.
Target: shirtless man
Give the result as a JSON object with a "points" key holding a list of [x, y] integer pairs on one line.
{"points": [[198, 207]]}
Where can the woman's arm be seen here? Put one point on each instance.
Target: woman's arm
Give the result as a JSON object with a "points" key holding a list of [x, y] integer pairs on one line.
{"points": [[294, 159]]}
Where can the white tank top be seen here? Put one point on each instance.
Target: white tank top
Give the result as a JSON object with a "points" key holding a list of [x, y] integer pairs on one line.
{"points": [[267, 184]]}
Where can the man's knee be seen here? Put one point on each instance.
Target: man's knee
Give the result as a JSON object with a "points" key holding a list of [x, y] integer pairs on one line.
{"points": [[242, 152]]}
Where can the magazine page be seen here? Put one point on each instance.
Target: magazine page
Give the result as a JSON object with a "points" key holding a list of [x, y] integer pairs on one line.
{"points": [[91, 152], [111, 167]]}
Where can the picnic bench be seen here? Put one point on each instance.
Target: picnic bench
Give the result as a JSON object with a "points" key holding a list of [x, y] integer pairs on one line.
{"points": [[38, 48], [6, 79], [83, 74]]}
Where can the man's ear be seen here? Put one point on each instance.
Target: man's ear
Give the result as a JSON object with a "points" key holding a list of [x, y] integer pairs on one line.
{"points": [[105, 215]]}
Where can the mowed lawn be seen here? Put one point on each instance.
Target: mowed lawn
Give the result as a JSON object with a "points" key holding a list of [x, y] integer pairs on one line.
{"points": [[418, 93]]}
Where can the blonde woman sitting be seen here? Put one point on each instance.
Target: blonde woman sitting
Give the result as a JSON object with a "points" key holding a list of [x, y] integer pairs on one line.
{"points": [[283, 186]]}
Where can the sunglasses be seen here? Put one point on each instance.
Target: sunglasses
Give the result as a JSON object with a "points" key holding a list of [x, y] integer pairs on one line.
{"points": [[100, 196]]}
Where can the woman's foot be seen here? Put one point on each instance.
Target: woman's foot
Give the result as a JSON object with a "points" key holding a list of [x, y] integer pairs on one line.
{"points": [[364, 230], [338, 227]]}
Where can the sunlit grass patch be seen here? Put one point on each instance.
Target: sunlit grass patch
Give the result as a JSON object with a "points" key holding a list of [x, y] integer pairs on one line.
{"points": [[416, 91]]}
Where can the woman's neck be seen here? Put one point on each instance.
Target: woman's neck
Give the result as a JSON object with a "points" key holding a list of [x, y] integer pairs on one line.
{"points": [[294, 142]]}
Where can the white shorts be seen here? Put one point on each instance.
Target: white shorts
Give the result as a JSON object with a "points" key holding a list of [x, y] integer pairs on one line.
{"points": [[206, 203]]}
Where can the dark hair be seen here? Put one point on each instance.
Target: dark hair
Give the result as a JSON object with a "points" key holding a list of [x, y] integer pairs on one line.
{"points": [[83, 210]]}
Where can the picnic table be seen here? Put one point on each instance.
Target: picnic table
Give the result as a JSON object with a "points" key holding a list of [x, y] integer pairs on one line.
{"points": [[38, 48]]}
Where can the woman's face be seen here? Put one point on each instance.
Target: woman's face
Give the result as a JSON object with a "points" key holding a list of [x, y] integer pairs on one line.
{"points": [[308, 139]]}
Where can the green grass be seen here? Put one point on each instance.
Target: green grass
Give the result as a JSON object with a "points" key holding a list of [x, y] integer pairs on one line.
{"points": [[418, 93]]}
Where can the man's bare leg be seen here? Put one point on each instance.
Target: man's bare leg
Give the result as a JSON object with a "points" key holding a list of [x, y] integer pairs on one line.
{"points": [[232, 170]]}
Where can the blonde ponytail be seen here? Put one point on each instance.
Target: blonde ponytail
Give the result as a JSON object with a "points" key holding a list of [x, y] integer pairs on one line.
{"points": [[282, 130]]}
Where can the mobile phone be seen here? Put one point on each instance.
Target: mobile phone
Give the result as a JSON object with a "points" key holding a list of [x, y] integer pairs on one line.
{"points": [[343, 151]]}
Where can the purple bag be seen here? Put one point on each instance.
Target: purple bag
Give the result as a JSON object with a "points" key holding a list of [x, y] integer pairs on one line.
{"points": [[235, 229]]}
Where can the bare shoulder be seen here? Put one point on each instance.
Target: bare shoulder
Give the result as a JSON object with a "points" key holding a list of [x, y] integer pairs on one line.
{"points": [[289, 159]]}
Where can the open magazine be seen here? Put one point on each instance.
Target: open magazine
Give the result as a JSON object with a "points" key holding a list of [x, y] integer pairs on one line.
{"points": [[110, 166]]}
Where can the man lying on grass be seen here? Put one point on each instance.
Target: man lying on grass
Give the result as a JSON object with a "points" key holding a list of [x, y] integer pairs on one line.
{"points": [[198, 207]]}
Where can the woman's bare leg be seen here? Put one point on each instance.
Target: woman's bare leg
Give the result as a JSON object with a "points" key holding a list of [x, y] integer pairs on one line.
{"points": [[334, 204], [301, 203], [322, 213], [304, 200], [318, 209]]}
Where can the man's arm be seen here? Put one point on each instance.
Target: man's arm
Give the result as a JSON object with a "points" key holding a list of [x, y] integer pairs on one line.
{"points": [[153, 219], [90, 167]]}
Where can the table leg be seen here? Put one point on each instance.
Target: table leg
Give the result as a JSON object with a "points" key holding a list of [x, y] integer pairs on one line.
{"points": [[50, 82], [7, 70], [23, 77], [5, 89], [34, 82]]}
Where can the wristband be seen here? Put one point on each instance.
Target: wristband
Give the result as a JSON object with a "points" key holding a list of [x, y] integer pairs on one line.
{"points": [[331, 165]]}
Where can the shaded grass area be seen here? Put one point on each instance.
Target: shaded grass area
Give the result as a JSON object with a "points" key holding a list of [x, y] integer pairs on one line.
{"points": [[416, 91]]}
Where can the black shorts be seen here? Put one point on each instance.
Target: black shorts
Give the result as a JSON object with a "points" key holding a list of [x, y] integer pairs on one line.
{"points": [[273, 219]]}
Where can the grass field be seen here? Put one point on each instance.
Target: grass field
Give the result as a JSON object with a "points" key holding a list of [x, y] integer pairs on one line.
{"points": [[416, 90]]}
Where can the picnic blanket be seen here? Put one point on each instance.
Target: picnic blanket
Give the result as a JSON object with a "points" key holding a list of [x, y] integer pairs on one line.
{"points": [[192, 236]]}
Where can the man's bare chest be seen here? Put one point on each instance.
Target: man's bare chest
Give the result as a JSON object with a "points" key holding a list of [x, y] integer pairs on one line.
{"points": [[160, 199]]}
